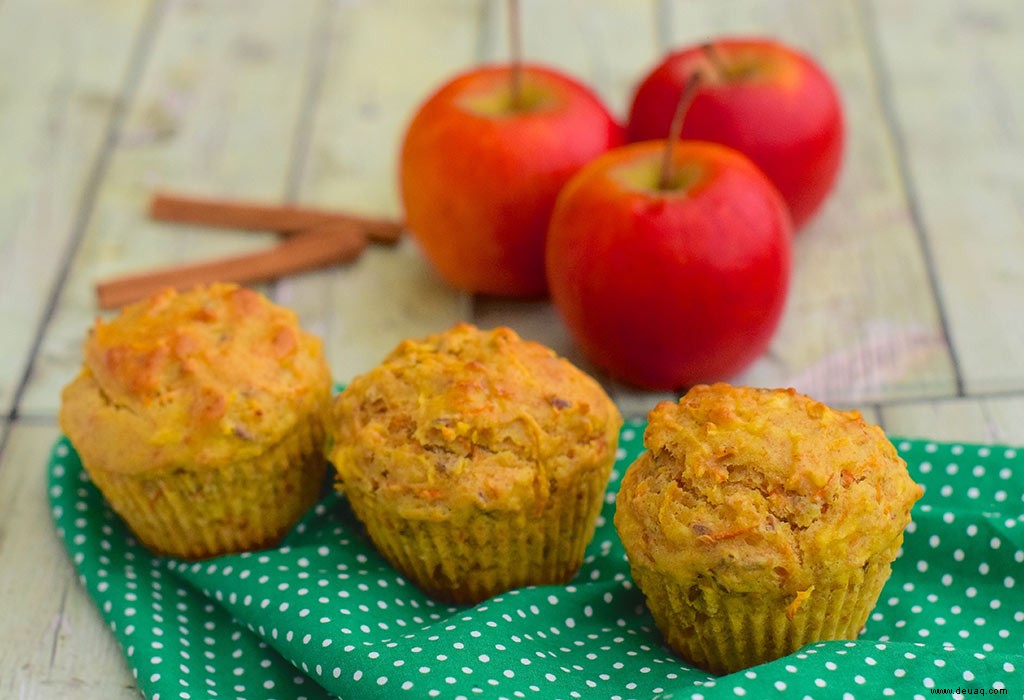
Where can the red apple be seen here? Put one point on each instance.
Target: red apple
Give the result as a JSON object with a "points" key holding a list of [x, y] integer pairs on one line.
{"points": [[669, 287], [767, 100], [480, 172]]}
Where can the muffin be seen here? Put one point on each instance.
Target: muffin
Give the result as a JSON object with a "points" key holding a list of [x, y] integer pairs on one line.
{"points": [[477, 461], [201, 417], [758, 521]]}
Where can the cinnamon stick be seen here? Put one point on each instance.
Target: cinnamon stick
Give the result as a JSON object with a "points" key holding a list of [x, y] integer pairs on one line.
{"points": [[323, 245], [258, 216]]}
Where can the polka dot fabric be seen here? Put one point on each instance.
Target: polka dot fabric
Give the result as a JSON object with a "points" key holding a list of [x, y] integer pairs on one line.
{"points": [[325, 616]]}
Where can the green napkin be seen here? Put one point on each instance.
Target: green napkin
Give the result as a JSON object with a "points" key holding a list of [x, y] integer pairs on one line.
{"points": [[324, 615]]}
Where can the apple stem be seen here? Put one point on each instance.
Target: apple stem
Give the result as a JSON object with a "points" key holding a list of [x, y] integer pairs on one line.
{"points": [[515, 45], [665, 181], [718, 67]]}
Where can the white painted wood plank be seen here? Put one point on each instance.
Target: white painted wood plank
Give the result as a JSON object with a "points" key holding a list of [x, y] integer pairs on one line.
{"points": [[995, 419], [955, 74], [861, 324], [215, 113], [871, 413], [53, 642], [383, 59], [64, 62]]}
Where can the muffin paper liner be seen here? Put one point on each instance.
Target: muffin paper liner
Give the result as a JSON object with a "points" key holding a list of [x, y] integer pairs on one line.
{"points": [[470, 560], [747, 631], [246, 505], [324, 615]]}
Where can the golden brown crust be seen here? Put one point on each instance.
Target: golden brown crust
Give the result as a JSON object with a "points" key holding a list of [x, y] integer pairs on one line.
{"points": [[761, 489], [193, 380], [469, 421]]}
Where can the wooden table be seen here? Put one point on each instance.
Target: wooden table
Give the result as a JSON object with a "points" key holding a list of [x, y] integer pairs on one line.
{"points": [[908, 296]]}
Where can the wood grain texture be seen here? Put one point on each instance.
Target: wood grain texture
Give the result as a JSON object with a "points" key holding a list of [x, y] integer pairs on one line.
{"points": [[215, 112], [53, 642], [954, 76], [993, 419], [64, 65], [368, 92]]}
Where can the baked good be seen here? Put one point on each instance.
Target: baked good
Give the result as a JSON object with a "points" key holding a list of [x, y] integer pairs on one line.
{"points": [[478, 461], [201, 417], [758, 521]]}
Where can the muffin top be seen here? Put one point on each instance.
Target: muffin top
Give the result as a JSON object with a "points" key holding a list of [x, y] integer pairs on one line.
{"points": [[192, 379], [757, 487], [469, 420]]}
